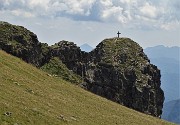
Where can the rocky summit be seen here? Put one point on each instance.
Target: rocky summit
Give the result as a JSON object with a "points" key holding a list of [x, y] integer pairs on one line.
{"points": [[119, 70], [116, 69]]}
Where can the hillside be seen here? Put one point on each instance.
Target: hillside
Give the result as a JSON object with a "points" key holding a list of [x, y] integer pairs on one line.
{"points": [[30, 96], [24, 44]]}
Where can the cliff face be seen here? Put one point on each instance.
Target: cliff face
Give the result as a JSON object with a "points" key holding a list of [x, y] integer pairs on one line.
{"points": [[116, 69], [120, 71]]}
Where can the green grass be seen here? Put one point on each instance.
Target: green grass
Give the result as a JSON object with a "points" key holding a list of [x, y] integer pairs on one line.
{"points": [[34, 98], [57, 68]]}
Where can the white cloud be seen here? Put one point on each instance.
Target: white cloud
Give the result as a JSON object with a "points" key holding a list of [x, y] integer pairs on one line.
{"points": [[112, 11], [149, 10], [41, 4], [78, 7], [130, 12], [106, 3], [75, 7]]}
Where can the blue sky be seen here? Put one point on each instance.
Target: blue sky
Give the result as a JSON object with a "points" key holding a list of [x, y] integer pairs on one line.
{"points": [[148, 22]]}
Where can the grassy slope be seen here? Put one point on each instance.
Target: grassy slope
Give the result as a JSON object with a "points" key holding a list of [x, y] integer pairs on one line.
{"points": [[33, 97], [57, 68]]}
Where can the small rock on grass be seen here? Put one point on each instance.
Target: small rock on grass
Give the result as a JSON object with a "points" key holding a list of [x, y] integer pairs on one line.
{"points": [[8, 113]]}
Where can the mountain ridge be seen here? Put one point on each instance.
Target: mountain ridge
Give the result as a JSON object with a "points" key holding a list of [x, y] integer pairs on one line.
{"points": [[162, 51], [116, 69]]}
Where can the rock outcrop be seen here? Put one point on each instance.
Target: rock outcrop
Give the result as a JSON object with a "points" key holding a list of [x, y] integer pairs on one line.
{"points": [[22, 43], [116, 69], [70, 54]]}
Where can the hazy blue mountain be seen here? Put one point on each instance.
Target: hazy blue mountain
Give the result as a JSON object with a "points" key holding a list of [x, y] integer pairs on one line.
{"points": [[85, 47], [171, 111], [167, 60], [163, 52]]}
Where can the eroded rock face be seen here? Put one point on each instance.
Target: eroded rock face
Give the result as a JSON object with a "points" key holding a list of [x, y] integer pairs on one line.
{"points": [[70, 54], [117, 69]]}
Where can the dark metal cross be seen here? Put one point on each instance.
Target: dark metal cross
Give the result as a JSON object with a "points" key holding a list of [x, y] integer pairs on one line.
{"points": [[118, 34]]}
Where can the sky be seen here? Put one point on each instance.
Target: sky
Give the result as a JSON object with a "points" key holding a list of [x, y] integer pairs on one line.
{"points": [[148, 22]]}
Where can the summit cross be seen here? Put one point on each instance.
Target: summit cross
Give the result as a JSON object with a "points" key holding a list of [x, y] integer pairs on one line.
{"points": [[118, 34]]}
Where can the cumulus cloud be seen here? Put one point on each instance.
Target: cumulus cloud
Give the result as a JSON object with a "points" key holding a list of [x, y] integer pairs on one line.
{"points": [[149, 10], [109, 12], [131, 12], [79, 7]]}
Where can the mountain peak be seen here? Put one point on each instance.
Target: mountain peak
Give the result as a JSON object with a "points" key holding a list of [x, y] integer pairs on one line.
{"points": [[86, 47]]}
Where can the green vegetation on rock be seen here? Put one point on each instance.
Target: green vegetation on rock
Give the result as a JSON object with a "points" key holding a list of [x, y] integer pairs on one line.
{"points": [[21, 42], [123, 73], [57, 68]]}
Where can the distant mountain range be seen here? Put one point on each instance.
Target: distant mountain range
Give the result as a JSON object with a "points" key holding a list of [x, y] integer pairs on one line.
{"points": [[172, 111], [163, 52], [85, 47], [167, 59]]}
